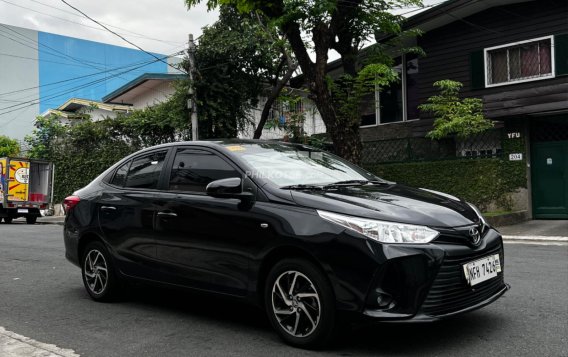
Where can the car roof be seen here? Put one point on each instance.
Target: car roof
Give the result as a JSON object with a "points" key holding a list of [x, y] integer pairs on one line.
{"points": [[217, 143]]}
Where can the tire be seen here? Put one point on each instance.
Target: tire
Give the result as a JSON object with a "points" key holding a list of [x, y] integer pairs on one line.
{"points": [[102, 286], [307, 319], [31, 219], [8, 220]]}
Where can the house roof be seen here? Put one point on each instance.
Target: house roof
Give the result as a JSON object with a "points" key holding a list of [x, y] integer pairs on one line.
{"points": [[75, 104], [145, 81], [450, 11]]}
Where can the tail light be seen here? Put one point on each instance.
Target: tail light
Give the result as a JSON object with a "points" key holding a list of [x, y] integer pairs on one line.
{"points": [[70, 202]]}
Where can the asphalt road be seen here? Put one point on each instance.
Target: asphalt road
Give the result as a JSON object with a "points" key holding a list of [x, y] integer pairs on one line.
{"points": [[42, 297]]}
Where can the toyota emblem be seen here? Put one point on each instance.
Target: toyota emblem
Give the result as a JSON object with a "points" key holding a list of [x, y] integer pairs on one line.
{"points": [[474, 235]]}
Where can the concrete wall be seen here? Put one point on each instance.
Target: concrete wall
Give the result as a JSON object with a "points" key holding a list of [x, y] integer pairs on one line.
{"points": [[47, 69], [19, 82]]}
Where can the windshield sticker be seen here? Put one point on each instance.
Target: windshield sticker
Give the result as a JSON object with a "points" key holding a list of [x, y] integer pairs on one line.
{"points": [[235, 148]]}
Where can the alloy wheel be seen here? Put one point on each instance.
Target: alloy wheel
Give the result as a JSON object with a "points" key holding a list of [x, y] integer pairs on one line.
{"points": [[96, 271], [296, 303]]}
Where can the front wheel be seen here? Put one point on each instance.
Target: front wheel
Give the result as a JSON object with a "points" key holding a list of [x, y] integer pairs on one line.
{"points": [[98, 273], [300, 303]]}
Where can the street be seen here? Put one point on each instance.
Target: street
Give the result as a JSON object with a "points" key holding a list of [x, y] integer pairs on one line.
{"points": [[42, 297]]}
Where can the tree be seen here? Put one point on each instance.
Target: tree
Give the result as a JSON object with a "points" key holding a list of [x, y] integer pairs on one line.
{"points": [[238, 60], [321, 26], [453, 115], [9, 146]]}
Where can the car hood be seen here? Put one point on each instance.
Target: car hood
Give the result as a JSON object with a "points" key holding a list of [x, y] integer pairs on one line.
{"points": [[391, 202]]}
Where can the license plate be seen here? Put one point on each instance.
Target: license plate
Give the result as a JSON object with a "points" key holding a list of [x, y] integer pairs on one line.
{"points": [[481, 270], [22, 210]]}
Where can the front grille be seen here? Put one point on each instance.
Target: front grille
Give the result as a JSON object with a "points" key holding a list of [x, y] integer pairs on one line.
{"points": [[450, 291]]}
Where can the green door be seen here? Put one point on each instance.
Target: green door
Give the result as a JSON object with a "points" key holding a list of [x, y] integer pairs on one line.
{"points": [[549, 161]]}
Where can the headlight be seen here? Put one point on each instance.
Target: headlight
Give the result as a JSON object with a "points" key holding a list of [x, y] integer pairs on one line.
{"points": [[384, 232]]}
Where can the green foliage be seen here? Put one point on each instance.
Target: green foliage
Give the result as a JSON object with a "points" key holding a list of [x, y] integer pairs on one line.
{"points": [[237, 59], [85, 149], [8, 146], [455, 116], [479, 181], [348, 92], [321, 26]]}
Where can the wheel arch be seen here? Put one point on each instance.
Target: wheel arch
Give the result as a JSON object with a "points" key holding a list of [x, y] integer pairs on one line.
{"points": [[286, 252], [84, 240]]}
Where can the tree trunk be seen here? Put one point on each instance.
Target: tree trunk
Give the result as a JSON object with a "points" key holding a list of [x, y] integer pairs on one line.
{"points": [[343, 132], [271, 99]]}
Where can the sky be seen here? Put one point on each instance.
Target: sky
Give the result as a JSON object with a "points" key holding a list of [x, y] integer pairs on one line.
{"points": [[160, 26]]}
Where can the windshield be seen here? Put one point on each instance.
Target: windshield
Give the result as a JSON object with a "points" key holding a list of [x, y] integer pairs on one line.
{"points": [[288, 165]]}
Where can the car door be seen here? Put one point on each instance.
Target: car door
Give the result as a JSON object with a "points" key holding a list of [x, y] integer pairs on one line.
{"points": [[127, 211], [204, 242]]}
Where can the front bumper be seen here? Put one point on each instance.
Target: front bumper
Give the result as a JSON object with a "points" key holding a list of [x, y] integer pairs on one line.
{"points": [[406, 282], [427, 283]]}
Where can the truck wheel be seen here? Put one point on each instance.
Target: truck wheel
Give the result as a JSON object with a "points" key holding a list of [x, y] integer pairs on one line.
{"points": [[31, 219], [8, 220]]}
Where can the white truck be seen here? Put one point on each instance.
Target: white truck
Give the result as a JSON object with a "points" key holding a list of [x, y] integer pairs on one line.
{"points": [[26, 187]]}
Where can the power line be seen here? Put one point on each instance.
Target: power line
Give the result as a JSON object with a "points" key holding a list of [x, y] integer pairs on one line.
{"points": [[59, 94], [116, 34], [83, 76], [82, 24], [62, 53]]}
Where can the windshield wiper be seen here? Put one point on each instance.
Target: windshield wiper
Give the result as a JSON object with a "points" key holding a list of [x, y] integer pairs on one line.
{"points": [[354, 182], [302, 187]]}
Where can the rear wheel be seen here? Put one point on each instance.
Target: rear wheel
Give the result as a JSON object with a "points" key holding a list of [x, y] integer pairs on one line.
{"points": [[98, 273], [31, 219], [8, 220], [300, 303]]}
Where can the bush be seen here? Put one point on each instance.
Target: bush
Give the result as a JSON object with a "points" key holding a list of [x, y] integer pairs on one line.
{"points": [[84, 150], [9, 146], [479, 181]]}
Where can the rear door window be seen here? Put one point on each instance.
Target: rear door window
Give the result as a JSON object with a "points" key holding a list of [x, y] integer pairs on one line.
{"points": [[119, 178], [193, 169], [144, 172]]}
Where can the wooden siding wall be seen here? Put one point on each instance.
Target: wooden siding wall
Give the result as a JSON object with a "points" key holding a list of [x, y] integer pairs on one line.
{"points": [[448, 48]]}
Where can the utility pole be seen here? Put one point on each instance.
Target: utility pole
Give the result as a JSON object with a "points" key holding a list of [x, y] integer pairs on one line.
{"points": [[191, 102]]}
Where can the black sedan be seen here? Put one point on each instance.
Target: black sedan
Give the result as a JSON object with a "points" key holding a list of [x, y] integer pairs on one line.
{"points": [[296, 230]]}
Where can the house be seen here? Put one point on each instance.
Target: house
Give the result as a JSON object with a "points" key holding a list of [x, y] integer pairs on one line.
{"points": [[143, 91], [511, 54], [76, 108]]}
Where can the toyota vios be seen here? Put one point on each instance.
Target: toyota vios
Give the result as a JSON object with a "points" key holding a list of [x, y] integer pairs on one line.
{"points": [[296, 230]]}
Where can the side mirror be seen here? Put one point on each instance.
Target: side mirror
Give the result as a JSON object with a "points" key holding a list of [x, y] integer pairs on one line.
{"points": [[229, 188]]}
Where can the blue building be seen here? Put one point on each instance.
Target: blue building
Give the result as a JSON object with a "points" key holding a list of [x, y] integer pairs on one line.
{"points": [[40, 70]]}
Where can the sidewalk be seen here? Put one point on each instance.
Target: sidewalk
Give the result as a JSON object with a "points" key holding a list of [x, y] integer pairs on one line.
{"points": [[51, 220], [537, 231]]}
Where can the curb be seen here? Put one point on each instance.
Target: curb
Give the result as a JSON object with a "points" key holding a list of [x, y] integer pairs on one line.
{"points": [[535, 238]]}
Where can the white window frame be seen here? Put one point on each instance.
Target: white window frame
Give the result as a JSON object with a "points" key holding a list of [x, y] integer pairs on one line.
{"points": [[513, 44]]}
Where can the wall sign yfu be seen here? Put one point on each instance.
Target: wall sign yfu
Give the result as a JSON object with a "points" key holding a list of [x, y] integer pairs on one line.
{"points": [[514, 135]]}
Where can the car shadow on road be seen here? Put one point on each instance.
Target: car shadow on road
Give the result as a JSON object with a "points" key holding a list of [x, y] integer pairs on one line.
{"points": [[369, 339]]}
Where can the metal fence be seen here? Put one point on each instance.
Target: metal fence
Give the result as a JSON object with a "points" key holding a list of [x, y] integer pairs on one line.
{"points": [[487, 144]]}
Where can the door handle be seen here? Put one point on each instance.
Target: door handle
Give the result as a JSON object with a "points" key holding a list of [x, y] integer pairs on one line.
{"points": [[108, 208], [165, 214]]}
